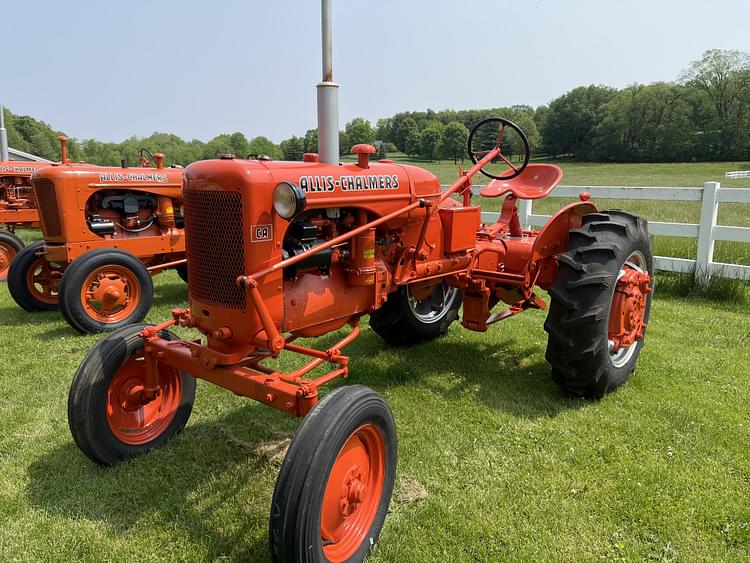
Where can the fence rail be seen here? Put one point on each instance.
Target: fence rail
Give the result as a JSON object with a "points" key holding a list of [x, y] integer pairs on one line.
{"points": [[738, 174], [706, 231]]}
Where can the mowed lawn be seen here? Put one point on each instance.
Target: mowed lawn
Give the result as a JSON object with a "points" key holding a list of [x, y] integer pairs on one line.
{"points": [[495, 462]]}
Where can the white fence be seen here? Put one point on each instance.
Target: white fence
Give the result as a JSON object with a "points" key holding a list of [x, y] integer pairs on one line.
{"points": [[707, 231], [738, 174]]}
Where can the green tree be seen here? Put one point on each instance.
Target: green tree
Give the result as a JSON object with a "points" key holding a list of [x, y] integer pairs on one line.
{"points": [[454, 140], [359, 131], [383, 129], [412, 143], [407, 129], [724, 77], [430, 141], [572, 117], [311, 140], [292, 148], [261, 146], [644, 123]]}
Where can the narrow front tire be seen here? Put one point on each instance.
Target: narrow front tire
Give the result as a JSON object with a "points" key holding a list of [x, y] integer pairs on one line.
{"points": [[108, 419], [335, 484]]}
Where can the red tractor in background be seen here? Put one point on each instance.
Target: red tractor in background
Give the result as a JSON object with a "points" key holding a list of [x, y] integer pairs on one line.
{"points": [[18, 208], [107, 230], [282, 251]]}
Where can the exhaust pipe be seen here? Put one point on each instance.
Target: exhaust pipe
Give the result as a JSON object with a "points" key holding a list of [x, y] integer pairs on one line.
{"points": [[328, 94], [4, 156]]}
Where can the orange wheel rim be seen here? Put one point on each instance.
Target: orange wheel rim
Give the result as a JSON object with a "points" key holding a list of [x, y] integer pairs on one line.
{"points": [[110, 294], [7, 253], [132, 417], [627, 317], [43, 280], [352, 494]]}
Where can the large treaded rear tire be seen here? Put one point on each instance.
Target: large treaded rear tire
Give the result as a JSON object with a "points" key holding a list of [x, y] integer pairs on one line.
{"points": [[581, 300], [399, 324]]}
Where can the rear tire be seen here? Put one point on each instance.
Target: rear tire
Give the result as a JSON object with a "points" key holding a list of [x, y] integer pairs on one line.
{"points": [[10, 246], [105, 289], [585, 357], [33, 281], [104, 430], [403, 320], [336, 481]]}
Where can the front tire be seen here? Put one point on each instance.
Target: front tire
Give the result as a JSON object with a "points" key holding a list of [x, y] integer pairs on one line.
{"points": [[335, 485], [408, 319], [110, 423], [601, 303], [105, 289], [33, 281], [10, 246]]}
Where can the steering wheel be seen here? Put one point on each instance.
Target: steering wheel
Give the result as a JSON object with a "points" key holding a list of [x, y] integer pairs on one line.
{"points": [[146, 158], [493, 135]]}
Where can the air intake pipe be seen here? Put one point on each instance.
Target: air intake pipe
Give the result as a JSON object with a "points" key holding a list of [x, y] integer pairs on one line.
{"points": [[328, 94]]}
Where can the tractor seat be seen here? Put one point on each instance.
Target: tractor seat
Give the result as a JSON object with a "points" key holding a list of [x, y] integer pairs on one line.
{"points": [[535, 182]]}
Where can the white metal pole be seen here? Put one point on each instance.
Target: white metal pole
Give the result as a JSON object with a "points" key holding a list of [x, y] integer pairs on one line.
{"points": [[3, 137], [328, 94]]}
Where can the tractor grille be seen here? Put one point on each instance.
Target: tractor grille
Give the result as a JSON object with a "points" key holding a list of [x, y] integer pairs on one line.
{"points": [[213, 224], [47, 201]]}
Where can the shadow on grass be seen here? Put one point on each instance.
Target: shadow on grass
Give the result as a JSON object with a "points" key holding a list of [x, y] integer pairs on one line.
{"points": [[209, 485], [500, 372], [15, 316]]}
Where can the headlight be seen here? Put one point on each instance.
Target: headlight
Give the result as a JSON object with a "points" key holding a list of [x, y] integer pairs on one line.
{"points": [[288, 200]]}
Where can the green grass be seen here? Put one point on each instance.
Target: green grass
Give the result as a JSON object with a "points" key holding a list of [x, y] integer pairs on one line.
{"points": [[512, 467]]}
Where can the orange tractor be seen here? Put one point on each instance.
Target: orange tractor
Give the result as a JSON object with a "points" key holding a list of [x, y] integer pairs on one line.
{"points": [[18, 208], [281, 251], [107, 230]]}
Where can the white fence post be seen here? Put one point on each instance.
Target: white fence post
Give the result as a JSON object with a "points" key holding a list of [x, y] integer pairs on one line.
{"points": [[709, 212], [524, 210]]}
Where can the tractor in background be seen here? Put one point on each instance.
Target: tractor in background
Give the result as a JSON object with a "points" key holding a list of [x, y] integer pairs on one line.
{"points": [[107, 231], [18, 208]]}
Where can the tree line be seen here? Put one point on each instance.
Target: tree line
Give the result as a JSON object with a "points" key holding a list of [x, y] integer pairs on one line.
{"points": [[702, 116]]}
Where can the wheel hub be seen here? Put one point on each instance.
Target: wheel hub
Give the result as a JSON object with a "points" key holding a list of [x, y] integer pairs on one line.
{"points": [[627, 317], [134, 414], [353, 492], [110, 292]]}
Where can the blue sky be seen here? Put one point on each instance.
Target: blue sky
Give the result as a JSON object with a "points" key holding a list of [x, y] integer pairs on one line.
{"points": [[111, 70]]}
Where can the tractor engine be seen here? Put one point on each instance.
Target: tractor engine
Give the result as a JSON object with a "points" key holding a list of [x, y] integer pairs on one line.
{"points": [[244, 216], [16, 193], [124, 214]]}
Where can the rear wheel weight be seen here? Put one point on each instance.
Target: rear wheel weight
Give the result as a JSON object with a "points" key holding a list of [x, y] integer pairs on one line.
{"points": [[600, 304], [105, 289], [108, 418], [10, 245], [33, 281], [404, 319], [336, 482]]}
